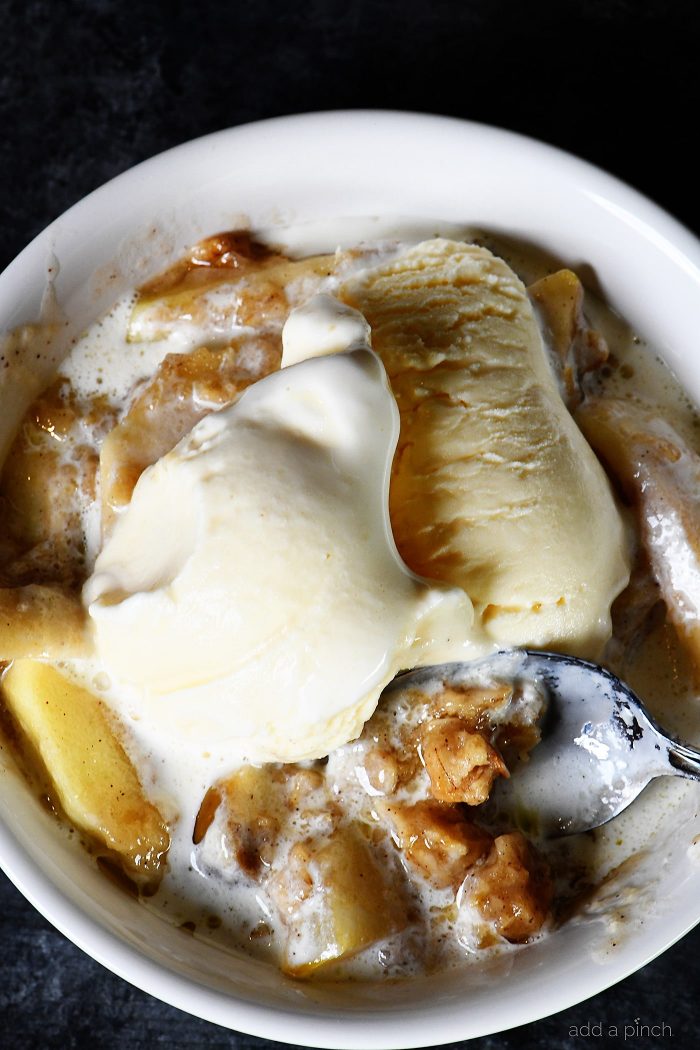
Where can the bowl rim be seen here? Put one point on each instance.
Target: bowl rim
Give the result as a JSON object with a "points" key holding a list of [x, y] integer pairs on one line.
{"points": [[333, 1028]]}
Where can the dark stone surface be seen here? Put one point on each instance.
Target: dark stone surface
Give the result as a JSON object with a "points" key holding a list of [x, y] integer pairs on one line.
{"points": [[54, 996], [89, 88]]}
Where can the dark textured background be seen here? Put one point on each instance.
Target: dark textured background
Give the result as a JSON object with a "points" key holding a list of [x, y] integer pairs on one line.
{"points": [[89, 88]]}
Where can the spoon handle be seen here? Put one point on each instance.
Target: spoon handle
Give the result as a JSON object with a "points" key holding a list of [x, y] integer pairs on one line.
{"points": [[685, 759]]}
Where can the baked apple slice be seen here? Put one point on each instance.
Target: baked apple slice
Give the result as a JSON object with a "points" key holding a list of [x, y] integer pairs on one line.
{"points": [[660, 475], [42, 622], [344, 904], [69, 735], [576, 347], [184, 389]]}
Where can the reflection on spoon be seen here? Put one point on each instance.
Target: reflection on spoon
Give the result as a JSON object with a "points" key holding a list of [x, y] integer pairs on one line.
{"points": [[599, 748]]}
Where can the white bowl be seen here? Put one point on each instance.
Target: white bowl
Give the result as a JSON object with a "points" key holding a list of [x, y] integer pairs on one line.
{"points": [[310, 168]]}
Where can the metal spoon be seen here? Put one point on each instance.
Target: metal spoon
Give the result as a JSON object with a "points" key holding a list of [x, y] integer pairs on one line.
{"points": [[599, 748]]}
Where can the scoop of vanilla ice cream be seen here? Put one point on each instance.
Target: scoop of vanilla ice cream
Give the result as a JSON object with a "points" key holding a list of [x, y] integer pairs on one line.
{"points": [[494, 488], [252, 592]]}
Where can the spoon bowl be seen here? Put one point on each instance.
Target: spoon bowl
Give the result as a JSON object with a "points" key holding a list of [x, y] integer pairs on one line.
{"points": [[599, 746]]}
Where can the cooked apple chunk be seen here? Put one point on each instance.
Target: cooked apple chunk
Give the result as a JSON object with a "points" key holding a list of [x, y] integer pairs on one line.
{"points": [[70, 734], [462, 765], [254, 802], [41, 622], [184, 389], [342, 903], [46, 485], [577, 348], [254, 806], [436, 840], [660, 475], [512, 888]]}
